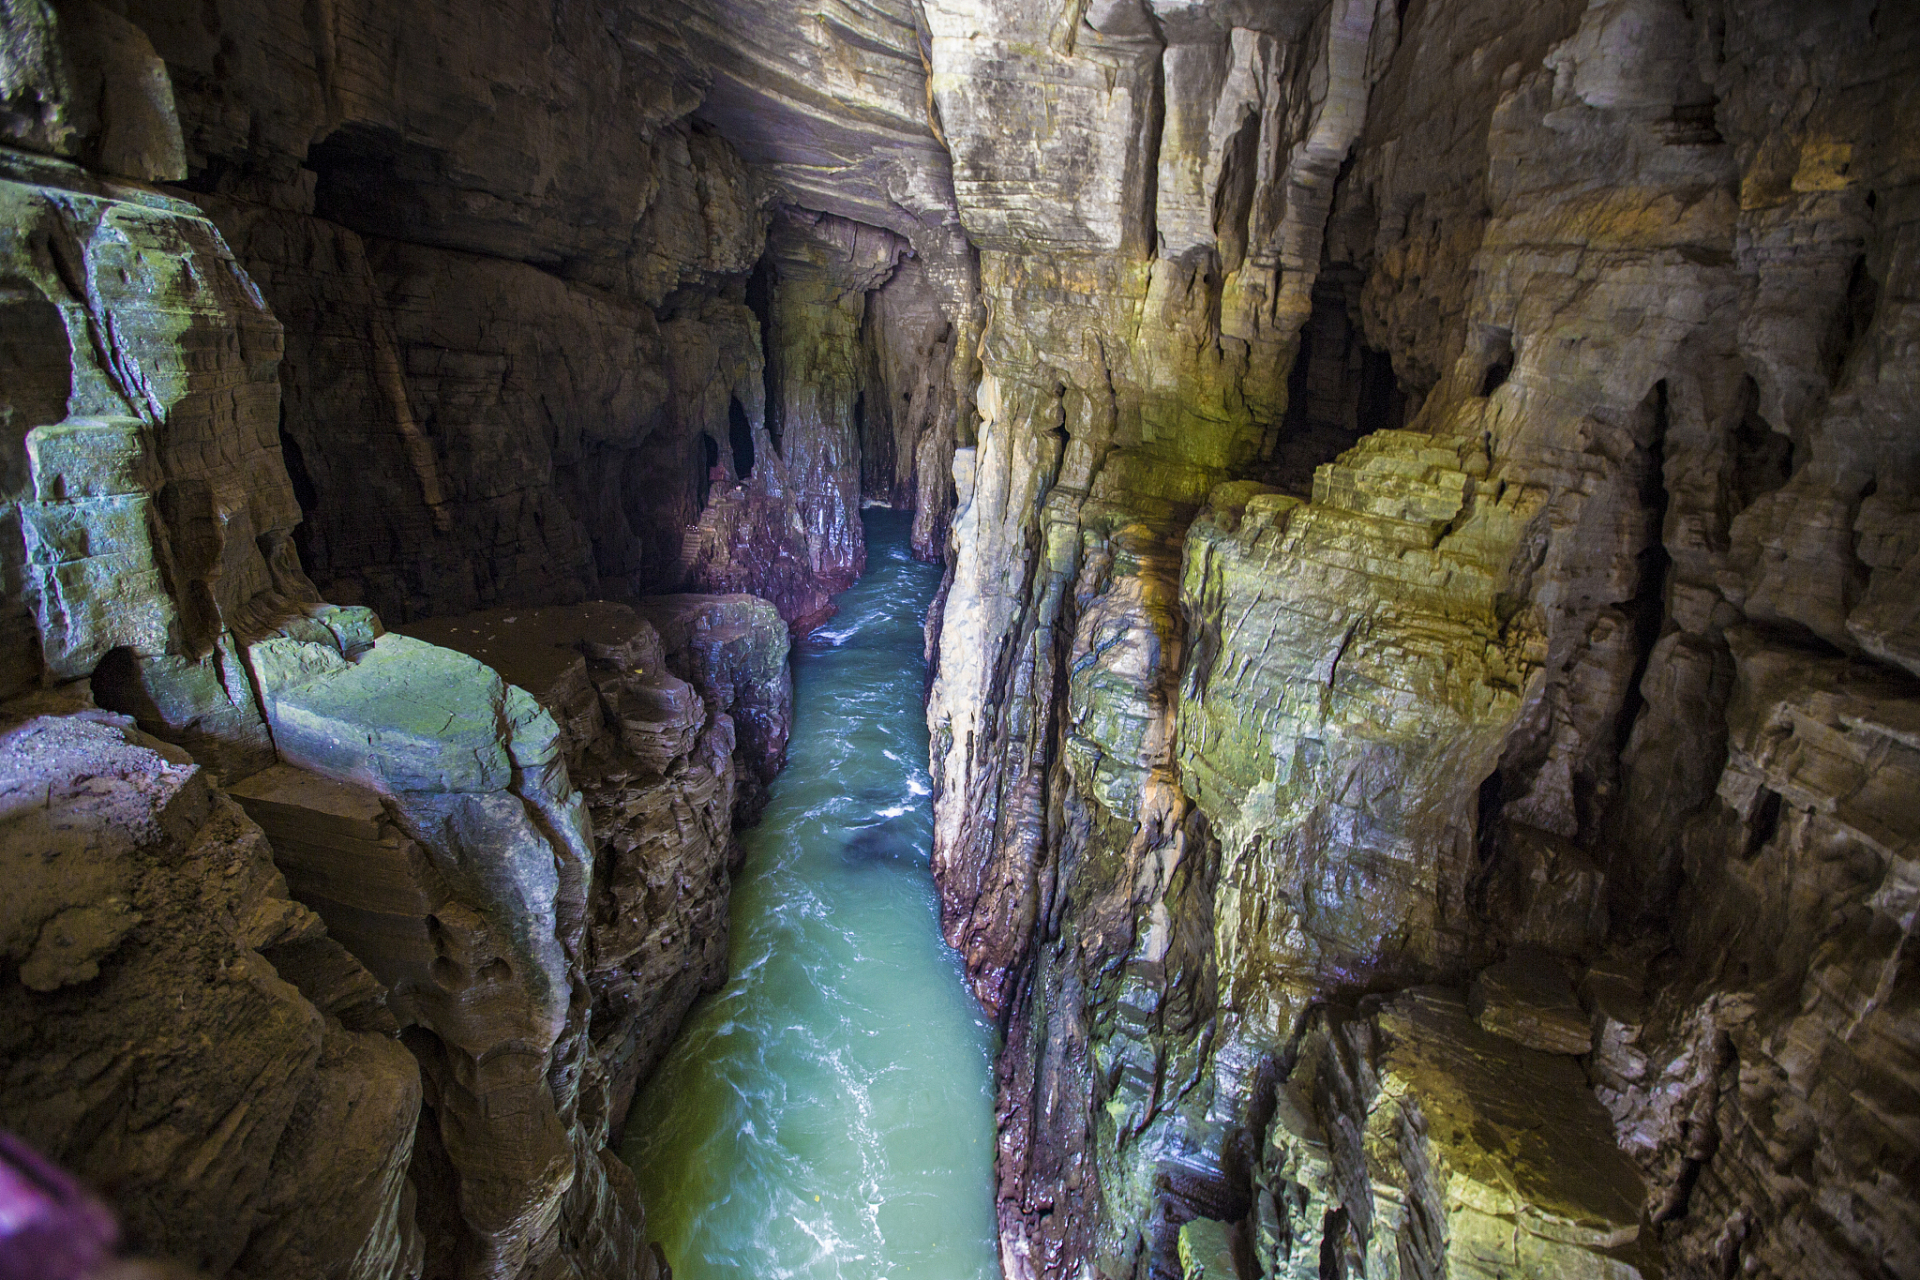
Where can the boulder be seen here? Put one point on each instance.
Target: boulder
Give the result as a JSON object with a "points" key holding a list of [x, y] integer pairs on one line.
{"points": [[180, 1031], [1528, 999]]}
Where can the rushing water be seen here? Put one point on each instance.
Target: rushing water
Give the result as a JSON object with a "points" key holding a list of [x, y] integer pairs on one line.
{"points": [[828, 1113]]}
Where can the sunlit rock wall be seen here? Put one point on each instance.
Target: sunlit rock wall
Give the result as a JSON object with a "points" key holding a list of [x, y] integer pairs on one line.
{"points": [[1236, 716]]}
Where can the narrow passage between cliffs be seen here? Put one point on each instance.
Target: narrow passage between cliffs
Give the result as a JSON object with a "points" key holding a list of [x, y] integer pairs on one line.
{"points": [[828, 1113]]}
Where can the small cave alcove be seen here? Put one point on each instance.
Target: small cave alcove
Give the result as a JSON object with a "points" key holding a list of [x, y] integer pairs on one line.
{"points": [[370, 178], [1339, 388], [709, 459], [306, 537], [740, 437], [759, 300]]}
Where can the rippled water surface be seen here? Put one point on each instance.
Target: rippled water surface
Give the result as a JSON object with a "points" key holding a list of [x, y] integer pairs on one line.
{"points": [[828, 1113]]}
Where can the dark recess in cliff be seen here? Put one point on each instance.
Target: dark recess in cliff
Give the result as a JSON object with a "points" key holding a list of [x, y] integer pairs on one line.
{"points": [[759, 298], [1339, 388]]}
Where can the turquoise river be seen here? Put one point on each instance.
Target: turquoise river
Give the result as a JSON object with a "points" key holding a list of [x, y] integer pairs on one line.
{"points": [[828, 1113]]}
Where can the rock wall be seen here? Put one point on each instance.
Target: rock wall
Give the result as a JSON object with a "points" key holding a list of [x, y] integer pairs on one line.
{"points": [[180, 1031], [441, 246], [443, 243], [669, 733], [419, 804], [1266, 682]]}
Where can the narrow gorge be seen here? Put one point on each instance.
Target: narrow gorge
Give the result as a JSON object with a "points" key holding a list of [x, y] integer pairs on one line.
{"points": [[1400, 520]]}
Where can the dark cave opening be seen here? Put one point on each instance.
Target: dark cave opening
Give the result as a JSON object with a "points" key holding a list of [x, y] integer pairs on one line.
{"points": [[759, 299], [116, 686], [1233, 195], [874, 430], [1643, 879], [368, 177], [1647, 609], [1339, 388], [304, 492], [1765, 824], [1499, 360], [709, 459], [740, 436], [1382, 405], [1762, 457], [1851, 320]]}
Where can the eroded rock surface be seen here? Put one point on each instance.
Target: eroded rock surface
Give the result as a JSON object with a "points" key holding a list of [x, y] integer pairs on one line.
{"points": [[151, 520], [666, 768], [180, 1030], [1407, 1141], [1428, 493], [443, 245], [1397, 456]]}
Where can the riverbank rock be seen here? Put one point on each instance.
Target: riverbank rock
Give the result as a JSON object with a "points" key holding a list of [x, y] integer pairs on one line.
{"points": [[498, 859], [1406, 1135], [179, 1031], [731, 649], [658, 759]]}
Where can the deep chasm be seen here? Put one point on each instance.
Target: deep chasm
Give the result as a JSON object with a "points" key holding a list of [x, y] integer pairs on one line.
{"points": [[1377, 733]]}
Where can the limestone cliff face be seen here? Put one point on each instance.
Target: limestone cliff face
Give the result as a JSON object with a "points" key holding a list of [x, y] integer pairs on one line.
{"points": [[502, 976], [1398, 466]]}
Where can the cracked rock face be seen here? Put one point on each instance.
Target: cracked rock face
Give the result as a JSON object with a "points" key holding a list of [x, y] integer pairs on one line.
{"points": [[1267, 678], [185, 1032]]}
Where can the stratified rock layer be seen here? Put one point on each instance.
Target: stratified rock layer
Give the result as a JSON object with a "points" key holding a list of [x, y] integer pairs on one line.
{"points": [[1408, 434], [517, 285], [180, 1030], [1407, 1141], [424, 802], [665, 767]]}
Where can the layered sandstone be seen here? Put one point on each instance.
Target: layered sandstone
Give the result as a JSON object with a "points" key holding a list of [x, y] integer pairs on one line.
{"points": [[444, 244], [178, 1028], [420, 803], [1396, 455], [665, 764]]}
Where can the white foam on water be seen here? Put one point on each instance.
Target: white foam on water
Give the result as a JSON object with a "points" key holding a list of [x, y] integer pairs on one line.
{"points": [[843, 1059]]}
